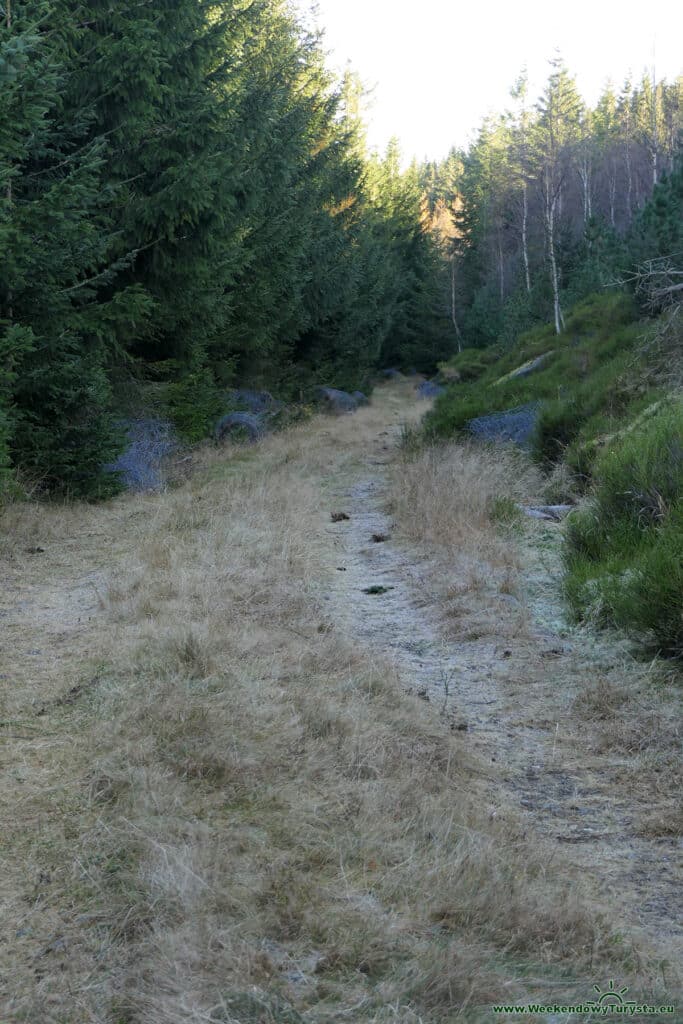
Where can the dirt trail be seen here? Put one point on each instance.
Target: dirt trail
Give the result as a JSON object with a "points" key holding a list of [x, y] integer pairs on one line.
{"points": [[508, 691], [502, 691]]}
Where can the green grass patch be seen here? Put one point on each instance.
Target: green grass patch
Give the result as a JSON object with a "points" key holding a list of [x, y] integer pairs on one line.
{"points": [[506, 513], [469, 365], [623, 551], [593, 370]]}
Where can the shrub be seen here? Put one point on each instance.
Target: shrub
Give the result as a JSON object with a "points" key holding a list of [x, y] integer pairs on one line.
{"points": [[649, 601], [468, 365], [558, 423], [195, 403], [64, 431], [642, 476]]}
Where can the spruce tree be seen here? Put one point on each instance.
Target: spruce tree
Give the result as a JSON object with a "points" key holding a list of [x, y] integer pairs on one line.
{"points": [[55, 241]]}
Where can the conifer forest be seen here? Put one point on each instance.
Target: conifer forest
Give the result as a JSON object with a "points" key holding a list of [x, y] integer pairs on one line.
{"points": [[187, 201]]}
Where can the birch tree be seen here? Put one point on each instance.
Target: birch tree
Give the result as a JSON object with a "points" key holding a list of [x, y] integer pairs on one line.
{"points": [[553, 152], [521, 161]]}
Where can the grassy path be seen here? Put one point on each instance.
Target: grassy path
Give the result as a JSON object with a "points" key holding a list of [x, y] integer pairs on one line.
{"points": [[223, 801], [583, 741]]}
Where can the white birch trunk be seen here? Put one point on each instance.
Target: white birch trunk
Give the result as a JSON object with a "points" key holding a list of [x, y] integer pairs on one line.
{"points": [[586, 185], [612, 187], [629, 187], [550, 219], [501, 270], [525, 244]]}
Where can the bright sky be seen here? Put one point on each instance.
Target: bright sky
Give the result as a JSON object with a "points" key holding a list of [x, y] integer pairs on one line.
{"points": [[439, 66]]}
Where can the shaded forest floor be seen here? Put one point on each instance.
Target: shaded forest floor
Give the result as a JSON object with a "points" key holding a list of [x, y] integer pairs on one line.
{"points": [[260, 765]]}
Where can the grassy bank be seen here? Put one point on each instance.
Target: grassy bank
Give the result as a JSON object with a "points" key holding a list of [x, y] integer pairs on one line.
{"points": [[624, 547], [590, 381], [609, 428]]}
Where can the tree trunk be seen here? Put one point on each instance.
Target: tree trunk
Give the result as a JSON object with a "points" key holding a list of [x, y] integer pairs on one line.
{"points": [[453, 313], [552, 257], [559, 319], [501, 270], [525, 244], [655, 129], [612, 194], [629, 189], [585, 175]]}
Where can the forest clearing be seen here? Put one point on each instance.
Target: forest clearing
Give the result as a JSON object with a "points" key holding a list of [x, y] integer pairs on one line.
{"points": [[264, 766]]}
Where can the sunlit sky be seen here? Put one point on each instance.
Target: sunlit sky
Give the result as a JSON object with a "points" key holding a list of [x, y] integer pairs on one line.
{"points": [[437, 67]]}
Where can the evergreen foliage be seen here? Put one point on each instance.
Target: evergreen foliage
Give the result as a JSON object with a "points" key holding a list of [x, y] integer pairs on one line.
{"points": [[656, 245], [55, 321], [185, 198]]}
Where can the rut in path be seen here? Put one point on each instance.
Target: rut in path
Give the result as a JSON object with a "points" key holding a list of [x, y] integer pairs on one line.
{"points": [[502, 691]]}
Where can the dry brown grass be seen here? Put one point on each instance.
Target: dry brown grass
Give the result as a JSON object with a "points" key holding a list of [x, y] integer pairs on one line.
{"points": [[243, 817], [449, 495], [578, 703], [459, 502]]}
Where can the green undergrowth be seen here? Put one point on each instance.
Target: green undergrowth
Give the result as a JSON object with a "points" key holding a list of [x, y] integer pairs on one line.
{"points": [[608, 428], [623, 549], [591, 383], [468, 365]]}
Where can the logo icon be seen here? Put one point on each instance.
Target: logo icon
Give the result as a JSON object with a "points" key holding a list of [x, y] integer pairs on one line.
{"points": [[612, 996]]}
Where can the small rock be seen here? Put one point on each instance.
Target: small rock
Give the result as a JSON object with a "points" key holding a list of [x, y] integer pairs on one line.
{"points": [[257, 402], [527, 368], [150, 442], [239, 426], [429, 389], [516, 425], [335, 401], [339, 517], [295, 977]]}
